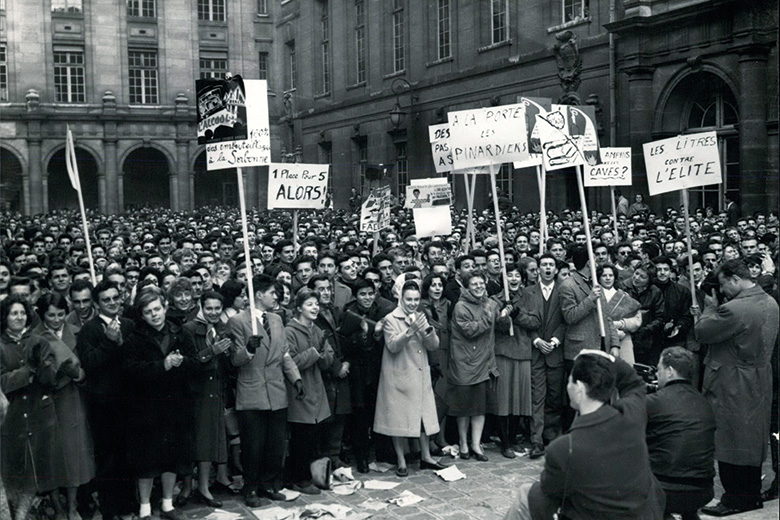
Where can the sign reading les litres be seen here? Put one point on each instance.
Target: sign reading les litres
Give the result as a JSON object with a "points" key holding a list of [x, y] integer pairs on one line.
{"points": [[685, 161]]}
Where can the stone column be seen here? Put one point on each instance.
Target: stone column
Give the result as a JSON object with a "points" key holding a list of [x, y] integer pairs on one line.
{"points": [[640, 115], [110, 199], [173, 188], [35, 177], [102, 203], [183, 174], [120, 191], [753, 139]]}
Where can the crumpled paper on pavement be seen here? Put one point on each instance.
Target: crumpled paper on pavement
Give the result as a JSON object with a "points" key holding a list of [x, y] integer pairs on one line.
{"points": [[381, 467], [406, 498], [289, 494], [451, 474], [274, 513], [374, 504], [318, 510], [380, 484], [452, 451], [343, 474], [221, 514], [346, 488]]}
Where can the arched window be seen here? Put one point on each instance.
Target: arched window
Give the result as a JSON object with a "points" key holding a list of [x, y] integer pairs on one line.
{"points": [[714, 107]]}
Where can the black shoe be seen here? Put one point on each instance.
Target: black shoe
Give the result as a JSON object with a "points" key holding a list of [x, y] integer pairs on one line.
{"points": [[362, 466], [402, 472], [221, 489], [509, 453], [181, 500], [536, 452], [202, 499], [465, 455], [173, 514], [480, 457], [253, 500], [273, 495], [306, 489], [771, 493], [720, 510], [432, 465]]}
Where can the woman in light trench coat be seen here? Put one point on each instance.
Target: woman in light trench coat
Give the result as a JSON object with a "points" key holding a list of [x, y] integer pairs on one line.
{"points": [[405, 404]]}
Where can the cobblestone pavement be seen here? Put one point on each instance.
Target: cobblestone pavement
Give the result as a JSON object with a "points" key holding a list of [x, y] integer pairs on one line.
{"points": [[486, 493]]}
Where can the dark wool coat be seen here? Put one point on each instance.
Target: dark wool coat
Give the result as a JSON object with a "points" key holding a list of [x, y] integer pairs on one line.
{"points": [[311, 355], [600, 469], [159, 419], [101, 359]]}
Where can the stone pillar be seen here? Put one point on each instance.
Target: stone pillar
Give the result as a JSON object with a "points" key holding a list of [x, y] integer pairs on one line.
{"points": [[173, 188], [102, 203], [753, 139], [111, 200], [35, 178], [45, 191], [26, 194], [640, 110], [191, 177], [183, 174], [120, 191]]}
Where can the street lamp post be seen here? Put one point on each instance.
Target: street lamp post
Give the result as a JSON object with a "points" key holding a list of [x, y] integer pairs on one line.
{"points": [[397, 114]]}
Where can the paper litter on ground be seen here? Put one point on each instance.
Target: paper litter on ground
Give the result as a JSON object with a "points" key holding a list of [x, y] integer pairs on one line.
{"points": [[274, 513], [407, 498], [381, 467], [451, 474], [221, 514], [343, 474], [452, 451], [373, 504], [337, 511], [346, 488], [379, 484], [289, 494], [358, 516]]}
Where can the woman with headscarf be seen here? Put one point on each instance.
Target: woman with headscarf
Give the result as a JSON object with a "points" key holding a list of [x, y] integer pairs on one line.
{"points": [[622, 308]]}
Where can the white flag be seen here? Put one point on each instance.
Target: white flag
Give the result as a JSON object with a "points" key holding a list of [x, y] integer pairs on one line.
{"points": [[70, 162]]}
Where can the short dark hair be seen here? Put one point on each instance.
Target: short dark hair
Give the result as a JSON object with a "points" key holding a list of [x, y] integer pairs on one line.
{"points": [[230, 290], [462, 258], [317, 278], [103, 286], [261, 282], [5, 309], [598, 375], [51, 299], [680, 359], [734, 267], [78, 286], [304, 294], [211, 294], [579, 257], [361, 283]]}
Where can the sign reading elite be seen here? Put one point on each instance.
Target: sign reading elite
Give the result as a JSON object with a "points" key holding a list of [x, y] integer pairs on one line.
{"points": [[296, 186], [685, 161]]}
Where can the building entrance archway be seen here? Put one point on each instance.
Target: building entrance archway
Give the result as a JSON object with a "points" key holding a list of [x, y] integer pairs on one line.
{"points": [[61, 192], [216, 187], [145, 181], [11, 184]]}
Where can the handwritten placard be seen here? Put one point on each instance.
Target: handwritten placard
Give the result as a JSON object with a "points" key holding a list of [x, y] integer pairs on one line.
{"points": [[233, 123], [296, 185], [427, 194], [439, 135], [486, 136], [615, 169], [686, 161], [375, 211]]}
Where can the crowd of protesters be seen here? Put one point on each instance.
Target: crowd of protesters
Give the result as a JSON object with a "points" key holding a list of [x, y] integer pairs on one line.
{"points": [[359, 351]]}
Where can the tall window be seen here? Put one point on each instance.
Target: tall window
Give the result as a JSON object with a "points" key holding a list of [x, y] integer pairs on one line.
{"points": [[360, 40], [325, 48], [292, 66], [69, 77], [326, 157], [262, 65], [211, 10], [213, 67], [362, 145], [401, 168], [141, 8], [444, 29], [715, 110], [504, 179], [143, 77], [499, 20], [66, 6], [3, 73], [262, 6], [575, 10], [398, 36]]}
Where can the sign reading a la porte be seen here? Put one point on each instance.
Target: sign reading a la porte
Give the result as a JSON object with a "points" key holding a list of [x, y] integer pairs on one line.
{"points": [[685, 161], [486, 136], [297, 186]]}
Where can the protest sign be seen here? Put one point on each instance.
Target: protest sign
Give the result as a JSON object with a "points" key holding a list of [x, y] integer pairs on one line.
{"points": [[483, 136], [568, 137], [615, 170], [439, 136], [295, 185], [685, 161], [375, 211], [534, 106], [233, 122], [582, 128], [428, 194], [434, 219]]}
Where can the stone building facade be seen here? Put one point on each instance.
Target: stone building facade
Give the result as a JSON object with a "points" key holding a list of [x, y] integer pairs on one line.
{"points": [[337, 68]]}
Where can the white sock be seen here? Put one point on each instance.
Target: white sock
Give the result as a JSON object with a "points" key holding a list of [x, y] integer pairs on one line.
{"points": [[167, 504], [146, 510]]}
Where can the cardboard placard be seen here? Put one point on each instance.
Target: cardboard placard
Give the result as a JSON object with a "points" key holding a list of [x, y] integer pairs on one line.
{"points": [[233, 122], [685, 161], [375, 211], [297, 186], [439, 136], [485, 136], [427, 194], [615, 170]]}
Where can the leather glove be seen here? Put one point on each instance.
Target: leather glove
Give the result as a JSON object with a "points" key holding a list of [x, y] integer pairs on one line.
{"points": [[300, 390], [252, 344], [435, 372]]}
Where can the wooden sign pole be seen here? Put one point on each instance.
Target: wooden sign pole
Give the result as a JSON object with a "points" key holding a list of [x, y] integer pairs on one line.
{"points": [[589, 244], [247, 260], [500, 237]]}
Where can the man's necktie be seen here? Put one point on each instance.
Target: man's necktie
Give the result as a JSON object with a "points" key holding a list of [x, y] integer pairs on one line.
{"points": [[266, 325]]}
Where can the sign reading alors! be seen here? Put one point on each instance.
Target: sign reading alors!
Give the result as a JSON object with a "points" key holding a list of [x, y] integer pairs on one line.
{"points": [[297, 186]]}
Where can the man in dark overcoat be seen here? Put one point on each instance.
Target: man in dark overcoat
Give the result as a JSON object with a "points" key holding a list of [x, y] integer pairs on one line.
{"points": [[741, 334]]}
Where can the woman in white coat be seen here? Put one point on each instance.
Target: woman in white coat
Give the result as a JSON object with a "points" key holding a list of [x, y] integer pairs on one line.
{"points": [[405, 404]]}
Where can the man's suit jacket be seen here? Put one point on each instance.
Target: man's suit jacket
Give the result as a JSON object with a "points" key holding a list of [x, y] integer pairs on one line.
{"points": [[261, 375], [552, 326], [101, 358], [580, 314]]}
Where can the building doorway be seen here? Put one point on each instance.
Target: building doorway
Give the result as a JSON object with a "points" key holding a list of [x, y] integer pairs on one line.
{"points": [[145, 181], [216, 187], [61, 192], [11, 185]]}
